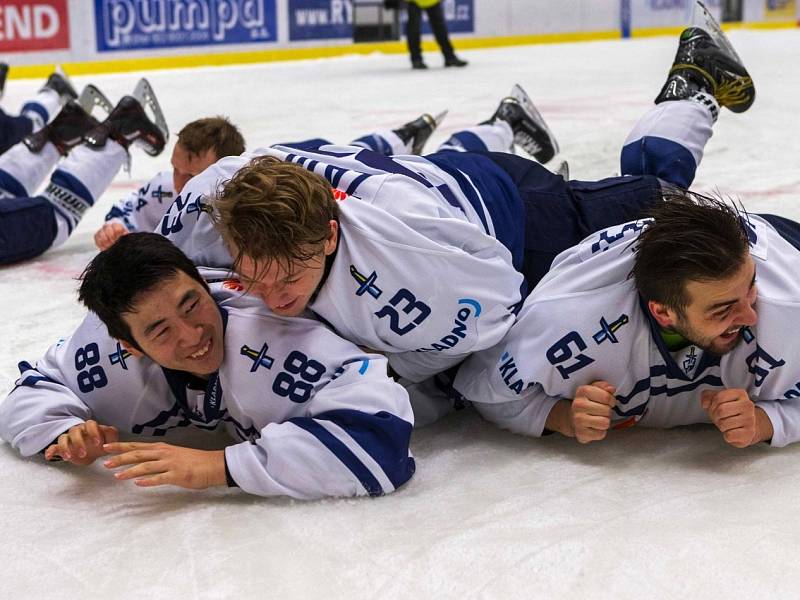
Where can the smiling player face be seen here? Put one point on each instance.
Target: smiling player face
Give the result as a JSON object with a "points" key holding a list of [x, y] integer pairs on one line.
{"points": [[178, 325], [718, 310], [288, 289]]}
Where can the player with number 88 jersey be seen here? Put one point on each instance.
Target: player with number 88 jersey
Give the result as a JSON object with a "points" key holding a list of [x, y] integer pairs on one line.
{"points": [[310, 414]]}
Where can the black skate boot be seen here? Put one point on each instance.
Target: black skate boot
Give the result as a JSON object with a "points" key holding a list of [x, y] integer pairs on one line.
{"points": [[126, 124], [61, 85], [65, 131], [702, 65], [418, 131], [530, 131], [3, 75]]}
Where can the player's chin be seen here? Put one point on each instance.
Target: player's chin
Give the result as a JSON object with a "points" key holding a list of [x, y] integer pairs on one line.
{"points": [[724, 344], [291, 309]]}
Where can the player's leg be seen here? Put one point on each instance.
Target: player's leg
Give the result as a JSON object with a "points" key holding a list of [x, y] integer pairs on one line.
{"points": [[669, 140], [439, 29], [409, 138], [414, 36], [36, 112], [30, 226], [516, 121]]}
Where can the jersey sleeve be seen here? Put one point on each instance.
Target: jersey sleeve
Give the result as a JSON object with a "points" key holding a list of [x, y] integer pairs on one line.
{"points": [[86, 376], [39, 409], [143, 209], [351, 439], [527, 415]]}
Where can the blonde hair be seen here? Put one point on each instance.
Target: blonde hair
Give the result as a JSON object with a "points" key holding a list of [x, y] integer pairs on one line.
{"points": [[273, 210]]}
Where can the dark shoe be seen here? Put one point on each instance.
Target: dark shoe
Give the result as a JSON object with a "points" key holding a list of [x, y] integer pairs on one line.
{"points": [[703, 65], [418, 131], [129, 123], [61, 85], [454, 61], [418, 64], [3, 75], [530, 131], [65, 131]]}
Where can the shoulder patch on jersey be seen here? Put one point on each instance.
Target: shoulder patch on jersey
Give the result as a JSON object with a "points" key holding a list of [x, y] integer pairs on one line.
{"points": [[259, 357], [366, 283], [608, 330], [119, 357]]}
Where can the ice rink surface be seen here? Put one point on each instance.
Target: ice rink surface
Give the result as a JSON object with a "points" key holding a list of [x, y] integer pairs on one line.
{"points": [[644, 514]]}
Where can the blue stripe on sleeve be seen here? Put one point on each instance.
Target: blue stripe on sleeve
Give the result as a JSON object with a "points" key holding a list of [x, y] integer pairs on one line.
{"points": [[385, 437], [341, 452]]}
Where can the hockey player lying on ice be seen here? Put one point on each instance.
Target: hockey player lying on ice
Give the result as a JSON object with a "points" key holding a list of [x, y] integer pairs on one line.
{"points": [[313, 415]]}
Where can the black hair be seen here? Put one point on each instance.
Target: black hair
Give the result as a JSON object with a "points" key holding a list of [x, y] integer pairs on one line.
{"points": [[136, 263]]}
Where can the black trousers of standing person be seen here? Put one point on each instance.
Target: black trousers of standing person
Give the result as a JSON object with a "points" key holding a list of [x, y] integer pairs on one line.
{"points": [[438, 25]]}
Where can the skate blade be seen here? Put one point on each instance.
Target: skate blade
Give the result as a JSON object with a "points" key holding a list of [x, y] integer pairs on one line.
{"points": [[563, 170], [147, 98], [522, 97], [439, 118], [91, 97], [702, 18]]}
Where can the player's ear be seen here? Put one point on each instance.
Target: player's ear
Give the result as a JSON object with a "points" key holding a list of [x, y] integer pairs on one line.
{"points": [[664, 315], [333, 237], [131, 348]]}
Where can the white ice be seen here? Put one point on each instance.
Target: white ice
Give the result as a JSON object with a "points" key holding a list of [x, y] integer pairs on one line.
{"points": [[644, 514]]}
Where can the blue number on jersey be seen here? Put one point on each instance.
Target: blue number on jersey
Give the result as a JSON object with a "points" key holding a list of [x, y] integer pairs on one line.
{"points": [[411, 305], [295, 382], [94, 376], [561, 352]]}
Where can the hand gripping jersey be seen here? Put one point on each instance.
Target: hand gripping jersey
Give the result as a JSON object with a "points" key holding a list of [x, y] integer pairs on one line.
{"points": [[314, 415], [423, 269], [585, 322], [143, 209]]}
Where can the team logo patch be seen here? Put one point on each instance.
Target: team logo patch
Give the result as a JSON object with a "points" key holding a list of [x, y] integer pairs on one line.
{"points": [[366, 283], [259, 357], [608, 330], [338, 195], [690, 361], [119, 357]]}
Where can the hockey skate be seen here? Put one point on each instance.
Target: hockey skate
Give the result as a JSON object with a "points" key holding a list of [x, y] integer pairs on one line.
{"points": [[128, 123], [530, 131], [91, 97], [706, 62], [3, 75], [61, 85], [65, 131], [418, 131]]}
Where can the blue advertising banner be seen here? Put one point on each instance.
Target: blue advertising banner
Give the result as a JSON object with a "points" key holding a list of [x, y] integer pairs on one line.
{"points": [[331, 19], [320, 19], [132, 24]]}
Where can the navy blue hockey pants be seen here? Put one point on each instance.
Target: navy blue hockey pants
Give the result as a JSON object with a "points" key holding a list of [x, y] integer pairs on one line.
{"points": [[12, 130]]}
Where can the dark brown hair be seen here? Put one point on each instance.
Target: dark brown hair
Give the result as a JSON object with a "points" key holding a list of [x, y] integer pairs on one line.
{"points": [[693, 238]]}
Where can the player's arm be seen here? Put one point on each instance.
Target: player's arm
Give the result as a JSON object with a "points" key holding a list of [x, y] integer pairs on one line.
{"points": [[354, 440], [743, 422], [337, 450], [40, 410]]}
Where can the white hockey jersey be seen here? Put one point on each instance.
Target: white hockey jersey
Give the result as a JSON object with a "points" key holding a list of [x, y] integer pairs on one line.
{"points": [[143, 209], [315, 415], [419, 273], [585, 322]]}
